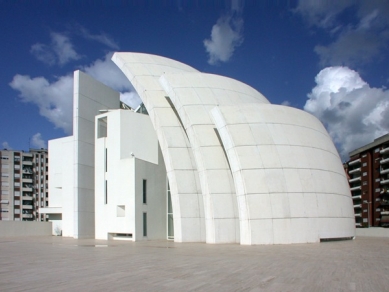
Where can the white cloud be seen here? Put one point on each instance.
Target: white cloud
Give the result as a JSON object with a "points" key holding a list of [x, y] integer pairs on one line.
{"points": [[363, 39], [54, 100], [322, 13], [60, 51], [286, 103], [130, 98], [352, 47], [6, 145], [353, 112], [43, 53], [226, 35], [105, 71], [37, 141], [101, 38]]}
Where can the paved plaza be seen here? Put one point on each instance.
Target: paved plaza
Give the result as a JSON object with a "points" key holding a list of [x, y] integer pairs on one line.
{"points": [[63, 264]]}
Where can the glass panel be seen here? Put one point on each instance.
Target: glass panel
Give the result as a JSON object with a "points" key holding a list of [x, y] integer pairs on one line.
{"points": [[170, 226], [170, 220]]}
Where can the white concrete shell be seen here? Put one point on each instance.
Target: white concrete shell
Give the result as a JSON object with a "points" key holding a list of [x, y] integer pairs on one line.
{"points": [[194, 95], [290, 184], [144, 71], [268, 174]]}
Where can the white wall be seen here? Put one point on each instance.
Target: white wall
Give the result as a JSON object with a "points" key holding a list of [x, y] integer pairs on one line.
{"points": [[24, 228], [156, 206], [129, 132], [90, 96], [143, 71], [61, 184]]}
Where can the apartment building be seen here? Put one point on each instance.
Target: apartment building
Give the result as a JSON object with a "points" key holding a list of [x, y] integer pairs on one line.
{"points": [[24, 184], [368, 171]]}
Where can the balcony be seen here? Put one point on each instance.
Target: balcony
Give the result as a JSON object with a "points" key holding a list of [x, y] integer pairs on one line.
{"points": [[384, 182], [354, 179], [27, 207], [29, 198], [354, 162], [355, 188], [385, 150], [383, 171], [358, 224], [27, 162], [357, 197], [384, 161], [358, 206], [355, 170], [358, 214], [384, 203], [27, 180], [26, 215], [384, 212]]}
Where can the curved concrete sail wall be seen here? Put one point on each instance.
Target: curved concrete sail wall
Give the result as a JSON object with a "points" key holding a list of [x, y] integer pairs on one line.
{"points": [[290, 183], [143, 71], [240, 169], [193, 96]]}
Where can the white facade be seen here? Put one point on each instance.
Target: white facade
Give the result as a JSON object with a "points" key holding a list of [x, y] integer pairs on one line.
{"points": [[73, 159], [267, 174], [239, 168], [127, 160]]}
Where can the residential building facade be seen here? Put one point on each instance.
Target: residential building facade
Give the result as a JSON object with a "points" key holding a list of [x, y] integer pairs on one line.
{"points": [[24, 184], [368, 171]]}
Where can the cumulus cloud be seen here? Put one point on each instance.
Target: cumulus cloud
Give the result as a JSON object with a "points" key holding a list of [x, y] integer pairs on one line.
{"points": [[60, 51], [37, 141], [353, 112], [6, 145], [226, 35], [54, 100], [359, 41]]}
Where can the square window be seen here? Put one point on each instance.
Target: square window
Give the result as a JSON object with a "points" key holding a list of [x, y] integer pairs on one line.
{"points": [[121, 211], [102, 127]]}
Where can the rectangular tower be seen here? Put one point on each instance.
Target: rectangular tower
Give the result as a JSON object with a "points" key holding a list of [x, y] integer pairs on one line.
{"points": [[368, 171]]}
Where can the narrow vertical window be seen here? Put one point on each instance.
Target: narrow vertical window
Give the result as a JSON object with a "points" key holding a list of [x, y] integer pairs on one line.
{"points": [[144, 191], [106, 192], [170, 221], [106, 159], [144, 224]]}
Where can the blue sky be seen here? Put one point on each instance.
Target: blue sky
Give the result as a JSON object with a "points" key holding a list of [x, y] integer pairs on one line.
{"points": [[327, 57]]}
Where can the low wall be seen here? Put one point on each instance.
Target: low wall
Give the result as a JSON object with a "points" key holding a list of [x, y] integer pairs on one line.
{"points": [[24, 228], [372, 232]]}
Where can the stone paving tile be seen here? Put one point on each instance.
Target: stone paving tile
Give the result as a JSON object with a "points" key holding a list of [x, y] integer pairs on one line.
{"points": [[64, 264]]}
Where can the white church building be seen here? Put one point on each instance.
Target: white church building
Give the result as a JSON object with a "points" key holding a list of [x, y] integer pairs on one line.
{"points": [[204, 159]]}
